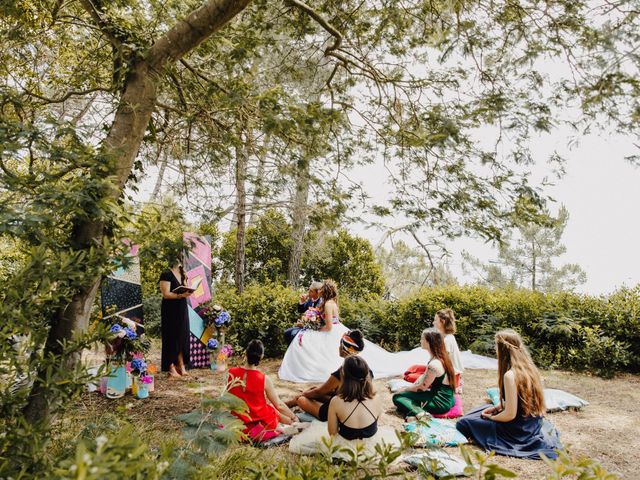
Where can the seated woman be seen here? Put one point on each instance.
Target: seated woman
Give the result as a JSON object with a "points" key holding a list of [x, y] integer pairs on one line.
{"points": [[433, 391], [254, 387], [352, 418], [315, 401], [514, 428]]}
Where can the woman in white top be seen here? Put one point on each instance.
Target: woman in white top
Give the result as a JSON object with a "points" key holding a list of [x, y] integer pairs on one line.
{"points": [[445, 322]]}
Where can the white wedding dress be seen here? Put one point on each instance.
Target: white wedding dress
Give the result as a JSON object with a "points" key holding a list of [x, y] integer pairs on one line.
{"points": [[312, 356]]}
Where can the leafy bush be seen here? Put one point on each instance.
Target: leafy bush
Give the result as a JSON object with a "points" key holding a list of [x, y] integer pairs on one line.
{"points": [[563, 330], [151, 305]]}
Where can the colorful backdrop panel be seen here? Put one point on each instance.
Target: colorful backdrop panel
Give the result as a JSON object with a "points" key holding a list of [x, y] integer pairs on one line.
{"points": [[122, 290], [197, 265]]}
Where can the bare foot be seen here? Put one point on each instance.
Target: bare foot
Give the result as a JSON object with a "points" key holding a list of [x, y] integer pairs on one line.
{"points": [[183, 372], [173, 373]]}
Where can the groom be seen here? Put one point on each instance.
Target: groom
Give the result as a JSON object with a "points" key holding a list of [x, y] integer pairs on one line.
{"points": [[309, 300]]}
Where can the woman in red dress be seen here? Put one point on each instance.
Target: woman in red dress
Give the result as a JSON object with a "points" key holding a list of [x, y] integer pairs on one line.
{"points": [[254, 387]]}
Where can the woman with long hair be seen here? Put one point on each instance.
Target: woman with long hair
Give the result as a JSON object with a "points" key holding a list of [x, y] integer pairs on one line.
{"points": [[315, 401], [516, 427], [174, 320], [314, 354], [264, 419], [353, 414], [433, 391]]}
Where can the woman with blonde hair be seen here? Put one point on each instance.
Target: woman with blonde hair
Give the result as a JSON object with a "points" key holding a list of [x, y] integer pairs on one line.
{"points": [[516, 427]]}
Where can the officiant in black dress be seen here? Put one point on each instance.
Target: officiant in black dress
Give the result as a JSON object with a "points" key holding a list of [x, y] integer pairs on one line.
{"points": [[174, 321]]}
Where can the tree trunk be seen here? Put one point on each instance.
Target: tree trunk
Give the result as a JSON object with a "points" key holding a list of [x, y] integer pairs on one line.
{"points": [[258, 184], [241, 214], [299, 216], [122, 143]]}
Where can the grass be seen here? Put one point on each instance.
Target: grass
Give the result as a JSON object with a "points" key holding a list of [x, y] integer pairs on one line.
{"points": [[606, 430]]}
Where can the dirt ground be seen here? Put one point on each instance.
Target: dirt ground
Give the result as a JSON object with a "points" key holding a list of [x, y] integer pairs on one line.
{"points": [[606, 430]]}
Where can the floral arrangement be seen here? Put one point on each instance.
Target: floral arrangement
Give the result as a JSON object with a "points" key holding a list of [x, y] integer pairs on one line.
{"points": [[146, 379], [212, 344], [224, 353], [214, 315], [312, 319], [124, 342]]}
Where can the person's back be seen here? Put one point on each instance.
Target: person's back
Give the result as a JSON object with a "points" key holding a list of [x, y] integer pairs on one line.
{"points": [[357, 419], [354, 411], [248, 385]]}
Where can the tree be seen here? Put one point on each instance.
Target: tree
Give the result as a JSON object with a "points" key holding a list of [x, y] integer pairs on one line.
{"points": [[346, 259], [527, 261], [406, 270], [87, 85], [267, 250]]}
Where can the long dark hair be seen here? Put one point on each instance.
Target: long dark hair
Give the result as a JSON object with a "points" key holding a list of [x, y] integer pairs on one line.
{"points": [[183, 275], [436, 345], [355, 382]]}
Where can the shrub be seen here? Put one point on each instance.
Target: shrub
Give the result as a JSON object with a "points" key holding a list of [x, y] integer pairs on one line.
{"points": [[562, 330]]}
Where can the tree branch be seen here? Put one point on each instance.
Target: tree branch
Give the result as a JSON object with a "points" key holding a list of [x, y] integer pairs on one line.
{"points": [[67, 95], [317, 16]]}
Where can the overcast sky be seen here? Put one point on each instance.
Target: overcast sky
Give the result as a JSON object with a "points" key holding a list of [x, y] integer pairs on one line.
{"points": [[601, 190]]}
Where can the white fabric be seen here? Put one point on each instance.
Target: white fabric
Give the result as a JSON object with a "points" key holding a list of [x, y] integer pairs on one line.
{"points": [[313, 356], [478, 362], [445, 464], [557, 400], [313, 439], [397, 384], [451, 345]]}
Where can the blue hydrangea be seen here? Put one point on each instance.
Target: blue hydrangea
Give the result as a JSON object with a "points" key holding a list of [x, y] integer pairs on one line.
{"points": [[139, 364], [115, 328], [222, 318], [212, 344], [130, 334]]}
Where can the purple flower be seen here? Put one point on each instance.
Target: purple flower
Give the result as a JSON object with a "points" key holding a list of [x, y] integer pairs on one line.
{"points": [[146, 379], [212, 344], [138, 364], [115, 328], [131, 335], [227, 350], [222, 318]]}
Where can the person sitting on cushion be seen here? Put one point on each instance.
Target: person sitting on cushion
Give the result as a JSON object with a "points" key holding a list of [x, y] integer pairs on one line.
{"points": [[352, 418], [433, 391], [515, 427], [254, 387], [315, 401]]}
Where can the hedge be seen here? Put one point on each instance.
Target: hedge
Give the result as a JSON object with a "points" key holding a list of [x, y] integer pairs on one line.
{"points": [[564, 330]]}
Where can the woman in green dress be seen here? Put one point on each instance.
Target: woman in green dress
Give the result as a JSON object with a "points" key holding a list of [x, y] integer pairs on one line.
{"points": [[433, 391]]}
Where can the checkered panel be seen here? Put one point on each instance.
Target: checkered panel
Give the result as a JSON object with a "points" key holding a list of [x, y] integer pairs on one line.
{"points": [[198, 353]]}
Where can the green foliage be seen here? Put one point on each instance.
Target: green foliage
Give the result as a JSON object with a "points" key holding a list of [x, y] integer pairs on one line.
{"points": [[122, 455], [562, 330], [209, 431], [527, 260], [158, 230], [262, 311], [151, 305], [267, 249], [347, 259]]}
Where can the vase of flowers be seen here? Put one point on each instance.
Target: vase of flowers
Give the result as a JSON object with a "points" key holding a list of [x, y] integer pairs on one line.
{"points": [[222, 358], [143, 385], [212, 346], [124, 344]]}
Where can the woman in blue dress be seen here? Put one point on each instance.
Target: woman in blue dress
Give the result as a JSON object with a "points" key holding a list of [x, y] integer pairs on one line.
{"points": [[516, 427]]}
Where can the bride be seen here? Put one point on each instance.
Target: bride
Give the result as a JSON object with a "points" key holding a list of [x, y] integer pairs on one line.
{"points": [[313, 355]]}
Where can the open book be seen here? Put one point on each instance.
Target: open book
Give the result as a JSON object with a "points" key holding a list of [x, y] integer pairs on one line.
{"points": [[185, 289]]}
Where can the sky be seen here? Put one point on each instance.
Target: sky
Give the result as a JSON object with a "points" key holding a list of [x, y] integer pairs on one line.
{"points": [[600, 189]]}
